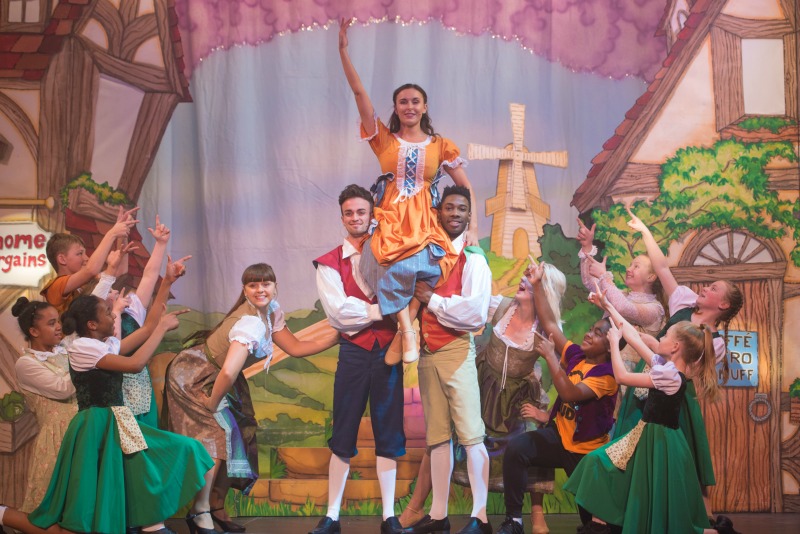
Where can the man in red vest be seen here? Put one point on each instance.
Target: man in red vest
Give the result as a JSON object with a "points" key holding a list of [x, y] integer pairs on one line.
{"points": [[448, 378], [361, 374]]}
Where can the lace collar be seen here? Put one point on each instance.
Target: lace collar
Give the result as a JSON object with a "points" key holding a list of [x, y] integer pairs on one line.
{"points": [[43, 356]]}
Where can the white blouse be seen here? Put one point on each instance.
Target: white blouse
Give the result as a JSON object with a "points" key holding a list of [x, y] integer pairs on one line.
{"points": [[665, 375], [85, 352]]}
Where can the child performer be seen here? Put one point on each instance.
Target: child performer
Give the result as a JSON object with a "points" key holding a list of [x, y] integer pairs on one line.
{"points": [[408, 244], [642, 305], [43, 375], [637, 481], [715, 305], [587, 394], [67, 255], [124, 474]]}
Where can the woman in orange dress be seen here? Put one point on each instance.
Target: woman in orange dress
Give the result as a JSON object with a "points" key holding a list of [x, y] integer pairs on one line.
{"points": [[408, 244]]}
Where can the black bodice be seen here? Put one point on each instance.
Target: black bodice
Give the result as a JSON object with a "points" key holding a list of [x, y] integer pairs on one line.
{"points": [[663, 409], [97, 388]]}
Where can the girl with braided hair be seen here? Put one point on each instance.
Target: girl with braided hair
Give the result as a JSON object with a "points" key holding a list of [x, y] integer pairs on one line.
{"points": [[715, 305]]}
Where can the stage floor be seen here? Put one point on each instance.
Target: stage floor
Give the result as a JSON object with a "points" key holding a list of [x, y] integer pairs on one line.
{"points": [[559, 524]]}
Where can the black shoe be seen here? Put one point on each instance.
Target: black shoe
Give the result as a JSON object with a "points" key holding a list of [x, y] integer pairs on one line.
{"points": [[227, 526], [194, 529], [476, 526], [327, 525], [724, 525], [426, 525], [509, 526], [391, 526]]}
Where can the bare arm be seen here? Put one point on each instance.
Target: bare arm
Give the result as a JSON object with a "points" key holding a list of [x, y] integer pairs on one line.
{"points": [[125, 222], [543, 312], [296, 348], [568, 391], [234, 361], [139, 359], [628, 331], [153, 267], [657, 258], [621, 373], [363, 103]]}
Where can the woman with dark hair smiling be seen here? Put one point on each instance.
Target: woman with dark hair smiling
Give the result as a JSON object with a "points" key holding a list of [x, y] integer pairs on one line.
{"points": [[208, 397], [408, 244]]}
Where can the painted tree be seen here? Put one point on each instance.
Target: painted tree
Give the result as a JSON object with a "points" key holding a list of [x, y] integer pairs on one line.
{"points": [[724, 186]]}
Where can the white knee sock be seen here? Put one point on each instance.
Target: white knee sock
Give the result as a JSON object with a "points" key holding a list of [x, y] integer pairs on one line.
{"points": [[338, 470], [2, 513], [387, 476], [441, 469], [478, 471]]}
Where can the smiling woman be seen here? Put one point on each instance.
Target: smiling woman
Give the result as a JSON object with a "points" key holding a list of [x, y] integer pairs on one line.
{"points": [[409, 244], [208, 397]]}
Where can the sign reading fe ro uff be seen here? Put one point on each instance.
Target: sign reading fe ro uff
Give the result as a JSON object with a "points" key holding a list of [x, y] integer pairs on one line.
{"points": [[23, 261], [743, 354]]}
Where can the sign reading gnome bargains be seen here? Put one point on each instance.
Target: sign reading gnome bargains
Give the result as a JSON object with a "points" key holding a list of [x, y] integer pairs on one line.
{"points": [[23, 261]]}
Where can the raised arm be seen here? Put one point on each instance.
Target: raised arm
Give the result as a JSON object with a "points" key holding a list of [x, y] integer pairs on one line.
{"points": [[628, 331], [543, 312], [586, 239], [657, 258], [94, 265], [364, 104], [174, 271], [150, 274], [139, 359], [621, 373], [568, 391]]}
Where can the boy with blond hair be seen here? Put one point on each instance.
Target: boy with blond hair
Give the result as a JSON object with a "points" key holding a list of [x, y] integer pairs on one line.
{"points": [[67, 255]]}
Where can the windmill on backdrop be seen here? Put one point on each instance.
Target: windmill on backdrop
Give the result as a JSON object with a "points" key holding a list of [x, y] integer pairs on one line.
{"points": [[518, 211]]}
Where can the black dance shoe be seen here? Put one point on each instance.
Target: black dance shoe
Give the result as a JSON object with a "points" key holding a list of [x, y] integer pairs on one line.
{"points": [[426, 525], [724, 525], [194, 529], [227, 526], [391, 525], [327, 525], [509, 526], [476, 526]]}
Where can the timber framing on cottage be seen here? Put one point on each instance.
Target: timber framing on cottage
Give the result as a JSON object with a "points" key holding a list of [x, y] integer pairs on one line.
{"points": [[613, 174]]}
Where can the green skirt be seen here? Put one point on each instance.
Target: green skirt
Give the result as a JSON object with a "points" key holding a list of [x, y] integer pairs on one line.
{"points": [[97, 488], [652, 496], [690, 421]]}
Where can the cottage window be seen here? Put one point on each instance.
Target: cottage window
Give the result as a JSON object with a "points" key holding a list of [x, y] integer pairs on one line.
{"points": [[764, 85], [25, 15]]}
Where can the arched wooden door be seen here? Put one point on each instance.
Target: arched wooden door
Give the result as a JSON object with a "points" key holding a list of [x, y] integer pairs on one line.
{"points": [[744, 426], [520, 247]]}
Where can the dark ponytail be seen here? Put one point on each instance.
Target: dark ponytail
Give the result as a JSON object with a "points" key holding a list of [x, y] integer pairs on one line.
{"points": [[81, 310]]}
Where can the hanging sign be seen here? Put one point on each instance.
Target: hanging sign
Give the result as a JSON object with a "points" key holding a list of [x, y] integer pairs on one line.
{"points": [[23, 261], [743, 358]]}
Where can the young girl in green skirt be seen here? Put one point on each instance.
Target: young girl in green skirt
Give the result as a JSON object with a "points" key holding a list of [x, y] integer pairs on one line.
{"points": [[113, 473], [644, 480]]}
